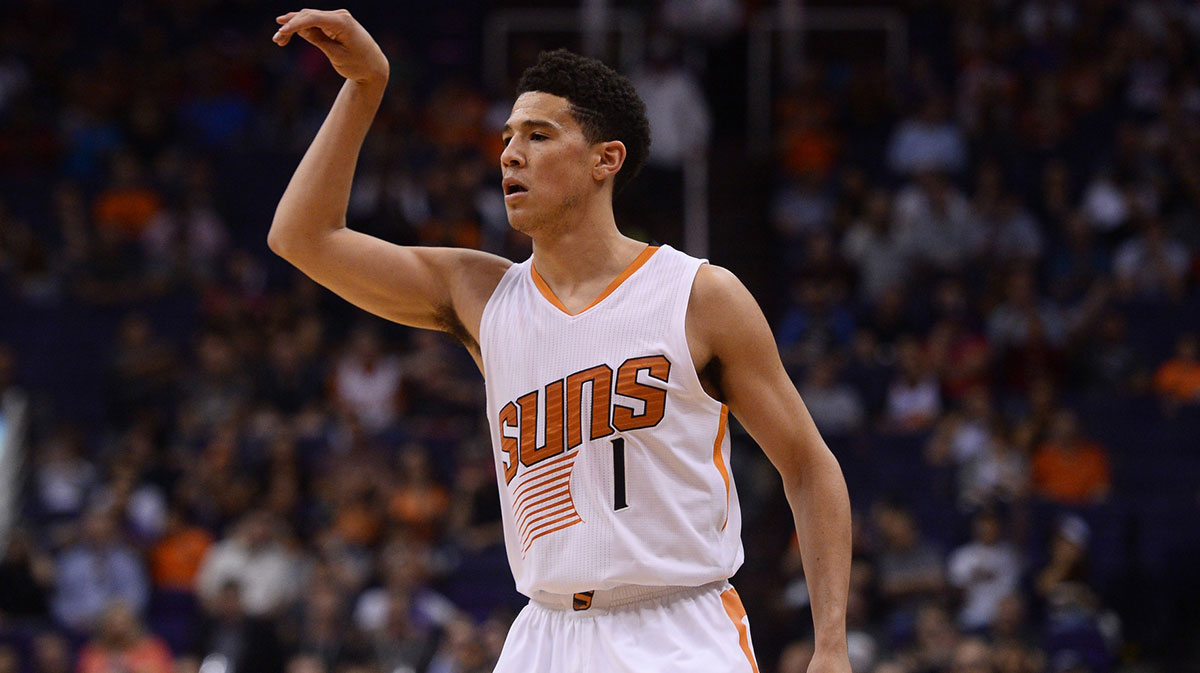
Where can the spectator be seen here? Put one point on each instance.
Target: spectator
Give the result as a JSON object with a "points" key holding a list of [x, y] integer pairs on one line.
{"points": [[835, 405], [936, 641], [51, 653], [1177, 380], [927, 141], [958, 350], [174, 562], [986, 570], [1066, 570], [1152, 265], [255, 558], [175, 558], [874, 248], [461, 650], [64, 481], [128, 204], [219, 387], [796, 657], [122, 644], [1012, 233], [188, 238], [972, 656], [962, 436], [680, 124], [914, 399], [1026, 332], [367, 382], [97, 571], [1107, 362], [935, 224], [289, 381], [228, 637], [142, 369], [418, 502], [27, 575], [400, 644], [1078, 263], [306, 663], [910, 568], [1069, 469]]}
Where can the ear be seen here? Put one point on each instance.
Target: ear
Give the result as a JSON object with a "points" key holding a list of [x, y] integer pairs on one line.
{"points": [[610, 156]]}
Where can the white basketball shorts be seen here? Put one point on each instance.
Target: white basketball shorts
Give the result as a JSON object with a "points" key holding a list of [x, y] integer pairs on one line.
{"points": [[632, 630]]}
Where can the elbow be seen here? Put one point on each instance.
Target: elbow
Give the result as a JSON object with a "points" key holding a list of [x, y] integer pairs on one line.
{"points": [[278, 242]]}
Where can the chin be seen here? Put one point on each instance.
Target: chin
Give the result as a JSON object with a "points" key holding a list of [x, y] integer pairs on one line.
{"points": [[522, 222]]}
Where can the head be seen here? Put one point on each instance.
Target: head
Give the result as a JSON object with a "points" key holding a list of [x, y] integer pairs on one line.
{"points": [[578, 133], [796, 657], [972, 655], [9, 663], [988, 528], [1064, 429], [119, 627], [51, 653], [1186, 348]]}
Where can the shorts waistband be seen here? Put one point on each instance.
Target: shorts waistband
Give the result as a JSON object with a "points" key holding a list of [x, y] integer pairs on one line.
{"points": [[615, 597]]}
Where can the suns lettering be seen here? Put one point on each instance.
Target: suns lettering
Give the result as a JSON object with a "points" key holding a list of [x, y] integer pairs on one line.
{"points": [[557, 410]]}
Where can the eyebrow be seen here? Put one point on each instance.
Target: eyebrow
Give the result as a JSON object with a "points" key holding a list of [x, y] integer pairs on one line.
{"points": [[530, 123]]}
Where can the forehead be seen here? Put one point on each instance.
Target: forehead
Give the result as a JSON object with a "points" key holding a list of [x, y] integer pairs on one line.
{"points": [[538, 106]]}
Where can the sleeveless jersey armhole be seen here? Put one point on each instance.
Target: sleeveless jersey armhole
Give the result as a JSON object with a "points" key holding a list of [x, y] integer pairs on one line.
{"points": [[681, 321], [510, 277]]}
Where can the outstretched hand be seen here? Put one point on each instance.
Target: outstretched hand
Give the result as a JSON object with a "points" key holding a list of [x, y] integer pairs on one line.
{"points": [[351, 50]]}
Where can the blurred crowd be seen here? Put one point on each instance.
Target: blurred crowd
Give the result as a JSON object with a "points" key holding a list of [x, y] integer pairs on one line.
{"points": [[984, 265]]}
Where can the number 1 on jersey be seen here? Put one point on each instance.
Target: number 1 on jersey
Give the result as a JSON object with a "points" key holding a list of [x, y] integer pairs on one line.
{"points": [[618, 447]]}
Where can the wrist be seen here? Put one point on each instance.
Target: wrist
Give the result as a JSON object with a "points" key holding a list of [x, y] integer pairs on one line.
{"points": [[375, 80], [830, 641]]}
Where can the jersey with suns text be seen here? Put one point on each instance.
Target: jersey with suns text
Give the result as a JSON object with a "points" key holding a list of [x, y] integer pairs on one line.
{"points": [[612, 460]]}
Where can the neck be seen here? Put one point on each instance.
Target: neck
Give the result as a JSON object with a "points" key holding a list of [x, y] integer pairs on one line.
{"points": [[585, 250]]}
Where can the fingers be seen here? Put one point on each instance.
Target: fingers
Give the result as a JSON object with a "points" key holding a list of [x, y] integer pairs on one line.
{"points": [[327, 23]]}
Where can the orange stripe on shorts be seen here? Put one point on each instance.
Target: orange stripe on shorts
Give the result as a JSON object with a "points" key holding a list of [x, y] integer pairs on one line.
{"points": [[737, 615]]}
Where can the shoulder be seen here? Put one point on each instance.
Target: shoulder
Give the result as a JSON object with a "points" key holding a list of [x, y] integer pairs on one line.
{"points": [[714, 284], [719, 299]]}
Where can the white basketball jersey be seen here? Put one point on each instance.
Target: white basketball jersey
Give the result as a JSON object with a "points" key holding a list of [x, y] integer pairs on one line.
{"points": [[613, 462]]}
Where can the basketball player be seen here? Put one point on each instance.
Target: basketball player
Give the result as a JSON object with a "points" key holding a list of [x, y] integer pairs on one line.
{"points": [[610, 368]]}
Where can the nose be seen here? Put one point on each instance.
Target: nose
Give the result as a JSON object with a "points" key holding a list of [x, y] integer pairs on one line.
{"points": [[512, 156]]}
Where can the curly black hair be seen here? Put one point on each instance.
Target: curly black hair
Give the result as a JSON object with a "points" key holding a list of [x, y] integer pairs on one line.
{"points": [[603, 102]]}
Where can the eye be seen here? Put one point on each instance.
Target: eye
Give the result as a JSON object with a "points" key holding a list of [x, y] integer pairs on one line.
{"points": [[538, 136], [506, 140]]}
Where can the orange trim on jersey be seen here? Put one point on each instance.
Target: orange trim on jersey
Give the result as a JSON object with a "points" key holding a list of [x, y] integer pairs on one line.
{"points": [[559, 498], [719, 459], [737, 615], [547, 531], [541, 480], [565, 508], [562, 482], [636, 264]]}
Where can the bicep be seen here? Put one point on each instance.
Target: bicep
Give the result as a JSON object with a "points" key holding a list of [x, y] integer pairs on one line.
{"points": [[409, 285]]}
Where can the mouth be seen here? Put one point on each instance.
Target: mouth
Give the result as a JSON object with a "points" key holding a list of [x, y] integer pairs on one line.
{"points": [[513, 188]]}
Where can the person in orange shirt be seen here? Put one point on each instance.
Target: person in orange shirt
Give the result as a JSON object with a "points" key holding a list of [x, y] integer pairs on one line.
{"points": [[1178, 379], [121, 644], [1069, 469], [128, 204], [419, 501], [175, 559]]}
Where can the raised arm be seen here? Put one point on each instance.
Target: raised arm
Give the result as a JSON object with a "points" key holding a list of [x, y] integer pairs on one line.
{"points": [[733, 349], [435, 288]]}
